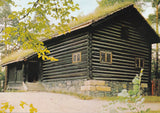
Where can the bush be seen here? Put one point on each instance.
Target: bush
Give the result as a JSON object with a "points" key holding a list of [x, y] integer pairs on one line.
{"points": [[132, 100]]}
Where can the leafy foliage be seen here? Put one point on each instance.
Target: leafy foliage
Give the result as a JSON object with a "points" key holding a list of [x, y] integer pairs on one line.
{"points": [[50, 16], [152, 17], [129, 100]]}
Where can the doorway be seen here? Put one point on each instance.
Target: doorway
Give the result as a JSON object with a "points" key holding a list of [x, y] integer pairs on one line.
{"points": [[33, 71]]}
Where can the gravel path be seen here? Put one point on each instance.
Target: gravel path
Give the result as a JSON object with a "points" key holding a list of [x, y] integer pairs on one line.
{"points": [[56, 103]]}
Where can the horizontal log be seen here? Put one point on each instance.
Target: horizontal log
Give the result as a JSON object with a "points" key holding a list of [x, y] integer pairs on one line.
{"points": [[66, 57], [109, 72], [97, 49], [98, 75], [116, 79], [66, 41], [69, 45], [117, 66], [116, 44], [77, 49], [65, 72], [64, 69], [66, 78], [133, 52], [65, 75], [54, 66], [132, 39]]}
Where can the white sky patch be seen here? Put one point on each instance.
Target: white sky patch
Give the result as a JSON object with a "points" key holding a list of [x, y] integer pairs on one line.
{"points": [[86, 6], [148, 10]]}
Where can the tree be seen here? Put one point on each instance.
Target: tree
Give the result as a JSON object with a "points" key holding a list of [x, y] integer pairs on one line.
{"points": [[30, 33], [154, 18], [5, 21]]}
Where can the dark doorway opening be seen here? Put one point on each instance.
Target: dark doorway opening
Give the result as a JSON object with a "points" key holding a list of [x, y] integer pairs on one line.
{"points": [[33, 71]]}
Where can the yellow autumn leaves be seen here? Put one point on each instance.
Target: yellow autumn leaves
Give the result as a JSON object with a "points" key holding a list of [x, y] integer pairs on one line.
{"points": [[6, 106]]}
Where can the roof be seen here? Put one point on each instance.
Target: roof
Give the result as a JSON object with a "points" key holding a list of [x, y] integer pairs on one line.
{"points": [[108, 13], [17, 56], [92, 20]]}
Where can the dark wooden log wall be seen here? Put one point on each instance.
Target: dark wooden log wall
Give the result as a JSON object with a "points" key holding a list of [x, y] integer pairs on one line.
{"points": [[62, 49], [108, 37]]}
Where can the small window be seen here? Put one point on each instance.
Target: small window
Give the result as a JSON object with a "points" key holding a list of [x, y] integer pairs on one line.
{"points": [[105, 57], [139, 62], [124, 32], [76, 57]]}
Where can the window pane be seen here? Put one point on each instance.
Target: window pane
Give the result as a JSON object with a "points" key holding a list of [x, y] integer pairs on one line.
{"points": [[74, 57], [102, 56], [78, 57], [137, 62], [142, 63], [108, 57]]}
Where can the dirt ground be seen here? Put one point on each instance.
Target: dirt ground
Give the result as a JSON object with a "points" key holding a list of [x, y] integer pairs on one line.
{"points": [[57, 103]]}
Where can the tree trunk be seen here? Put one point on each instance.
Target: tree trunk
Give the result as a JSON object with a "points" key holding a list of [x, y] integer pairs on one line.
{"points": [[156, 70]]}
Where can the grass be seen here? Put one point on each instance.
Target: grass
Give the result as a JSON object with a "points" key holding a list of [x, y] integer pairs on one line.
{"points": [[99, 12], [152, 99], [154, 111], [148, 99], [16, 56]]}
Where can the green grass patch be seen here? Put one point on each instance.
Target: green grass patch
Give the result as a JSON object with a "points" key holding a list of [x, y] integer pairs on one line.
{"points": [[152, 99], [99, 13], [154, 111], [17, 56], [148, 99]]}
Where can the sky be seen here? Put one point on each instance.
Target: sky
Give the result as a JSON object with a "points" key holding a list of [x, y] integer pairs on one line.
{"points": [[86, 7]]}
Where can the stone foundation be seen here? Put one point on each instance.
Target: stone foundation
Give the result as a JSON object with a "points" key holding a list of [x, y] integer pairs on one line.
{"points": [[96, 88]]}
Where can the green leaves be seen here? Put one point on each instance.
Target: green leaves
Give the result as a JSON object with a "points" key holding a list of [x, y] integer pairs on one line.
{"points": [[41, 20], [129, 101]]}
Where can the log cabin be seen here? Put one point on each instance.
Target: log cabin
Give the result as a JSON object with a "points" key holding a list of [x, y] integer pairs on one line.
{"points": [[99, 57]]}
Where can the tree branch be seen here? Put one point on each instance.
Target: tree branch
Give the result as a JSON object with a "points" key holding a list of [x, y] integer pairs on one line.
{"points": [[34, 5]]}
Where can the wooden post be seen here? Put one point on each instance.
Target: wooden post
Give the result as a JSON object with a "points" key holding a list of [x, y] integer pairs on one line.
{"points": [[6, 76]]}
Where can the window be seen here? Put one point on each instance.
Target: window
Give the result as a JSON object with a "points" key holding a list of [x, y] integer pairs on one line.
{"points": [[124, 32], [139, 62], [76, 57], [105, 57]]}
